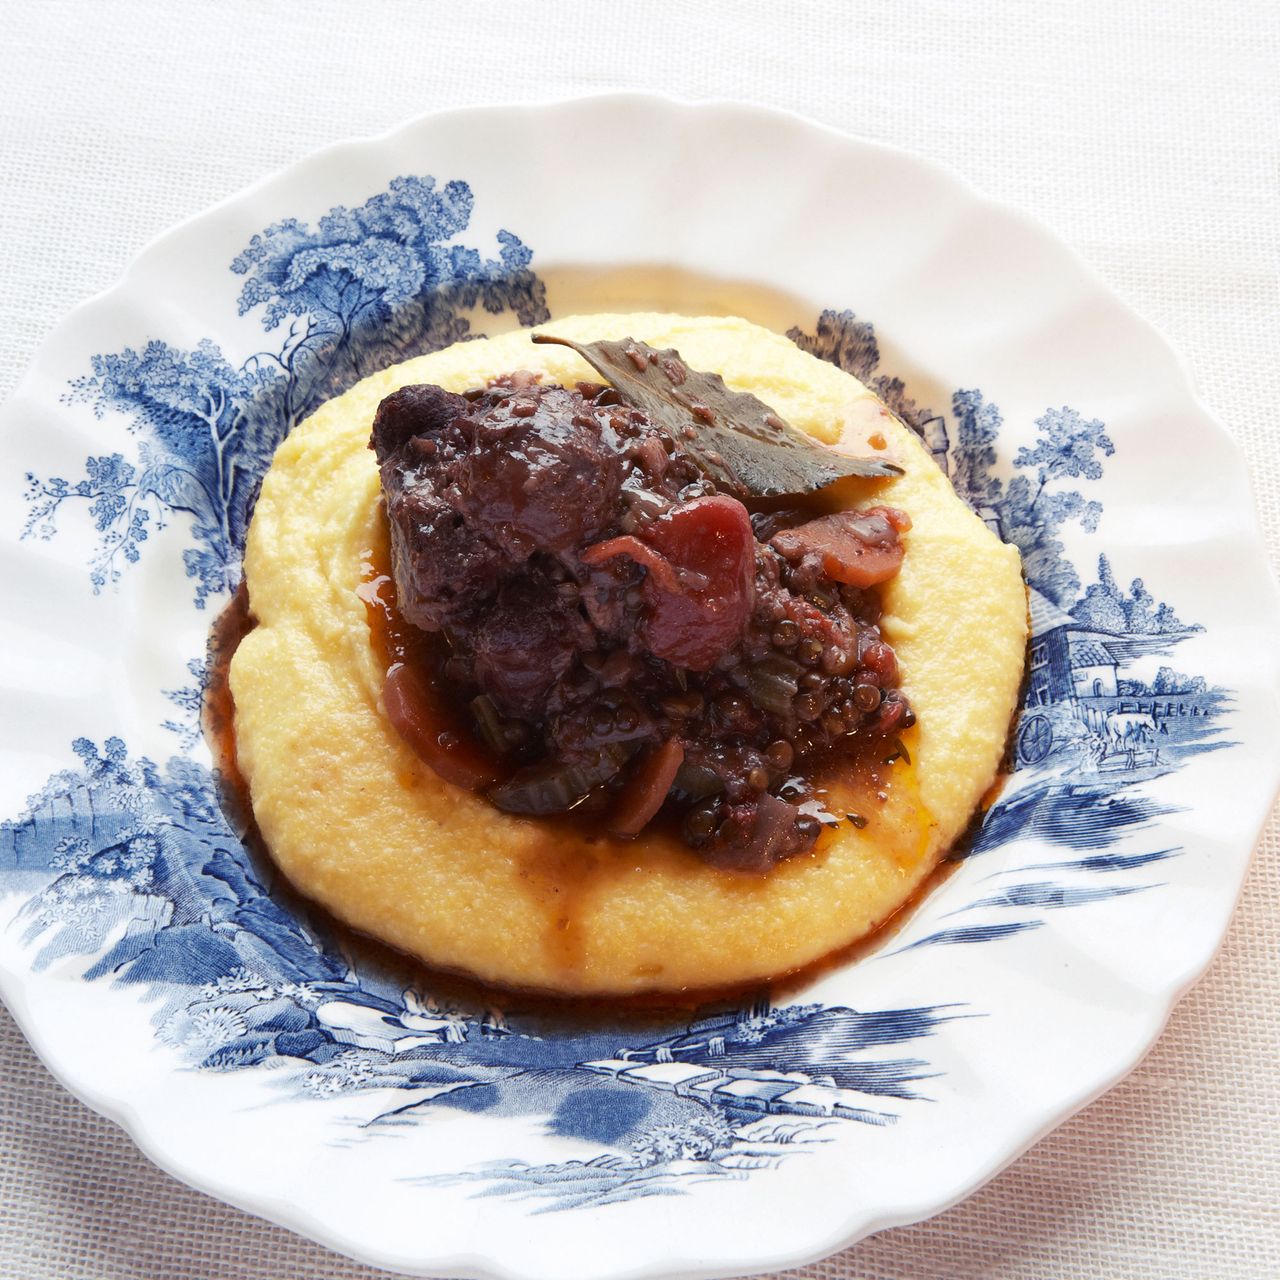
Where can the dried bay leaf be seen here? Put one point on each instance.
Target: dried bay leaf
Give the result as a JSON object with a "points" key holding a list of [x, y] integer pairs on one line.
{"points": [[736, 439]]}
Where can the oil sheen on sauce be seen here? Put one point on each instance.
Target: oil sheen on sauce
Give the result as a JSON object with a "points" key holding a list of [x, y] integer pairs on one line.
{"points": [[877, 789], [571, 852]]}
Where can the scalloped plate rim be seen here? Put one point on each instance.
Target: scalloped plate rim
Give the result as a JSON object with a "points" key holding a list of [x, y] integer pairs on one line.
{"points": [[168, 1156]]}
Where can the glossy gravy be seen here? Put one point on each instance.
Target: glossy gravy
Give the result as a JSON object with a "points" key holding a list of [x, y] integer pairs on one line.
{"points": [[883, 797]]}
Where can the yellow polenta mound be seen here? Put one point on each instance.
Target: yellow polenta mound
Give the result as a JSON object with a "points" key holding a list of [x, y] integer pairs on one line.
{"points": [[359, 823]]}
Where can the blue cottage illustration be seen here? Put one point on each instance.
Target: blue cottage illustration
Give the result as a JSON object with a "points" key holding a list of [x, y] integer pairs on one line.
{"points": [[131, 865]]}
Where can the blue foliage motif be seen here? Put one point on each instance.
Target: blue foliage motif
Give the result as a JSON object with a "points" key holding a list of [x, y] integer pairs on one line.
{"points": [[189, 700], [139, 871], [1090, 733], [135, 867], [364, 288]]}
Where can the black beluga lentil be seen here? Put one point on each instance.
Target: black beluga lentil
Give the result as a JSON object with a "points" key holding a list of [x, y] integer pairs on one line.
{"points": [[626, 634]]}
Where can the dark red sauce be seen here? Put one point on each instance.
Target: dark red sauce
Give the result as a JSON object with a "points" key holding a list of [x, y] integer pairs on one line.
{"points": [[854, 747], [598, 628], [560, 863]]}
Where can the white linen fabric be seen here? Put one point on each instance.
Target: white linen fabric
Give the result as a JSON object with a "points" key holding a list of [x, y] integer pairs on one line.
{"points": [[1146, 134]]}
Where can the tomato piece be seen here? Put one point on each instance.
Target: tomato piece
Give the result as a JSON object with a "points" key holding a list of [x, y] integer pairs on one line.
{"points": [[699, 588], [641, 552], [711, 545], [859, 548]]}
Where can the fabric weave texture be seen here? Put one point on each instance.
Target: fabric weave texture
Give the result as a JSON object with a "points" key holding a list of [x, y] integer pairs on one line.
{"points": [[1147, 135]]}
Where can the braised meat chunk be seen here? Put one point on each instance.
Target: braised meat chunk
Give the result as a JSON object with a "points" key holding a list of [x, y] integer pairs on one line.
{"points": [[627, 636]]}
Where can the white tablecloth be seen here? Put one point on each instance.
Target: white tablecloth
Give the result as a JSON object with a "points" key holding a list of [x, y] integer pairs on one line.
{"points": [[1144, 133]]}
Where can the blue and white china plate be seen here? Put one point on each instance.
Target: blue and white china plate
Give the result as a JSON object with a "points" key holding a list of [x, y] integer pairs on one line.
{"points": [[172, 984]]}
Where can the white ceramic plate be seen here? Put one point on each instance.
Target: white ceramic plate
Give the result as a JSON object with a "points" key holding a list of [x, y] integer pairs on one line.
{"points": [[168, 984]]}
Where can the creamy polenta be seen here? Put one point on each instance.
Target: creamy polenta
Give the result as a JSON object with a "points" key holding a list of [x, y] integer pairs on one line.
{"points": [[359, 823]]}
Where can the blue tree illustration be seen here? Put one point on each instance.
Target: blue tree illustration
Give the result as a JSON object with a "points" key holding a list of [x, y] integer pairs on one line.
{"points": [[850, 344], [1031, 508], [118, 829], [973, 454], [1107, 607], [1035, 504], [1102, 605], [195, 458], [377, 283], [844, 340], [366, 287]]}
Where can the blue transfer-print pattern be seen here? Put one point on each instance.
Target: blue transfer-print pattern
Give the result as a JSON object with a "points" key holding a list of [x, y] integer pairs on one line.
{"points": [[366, 287], [134, 866], [140, 872], [1090, 733], [189, 700]]}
